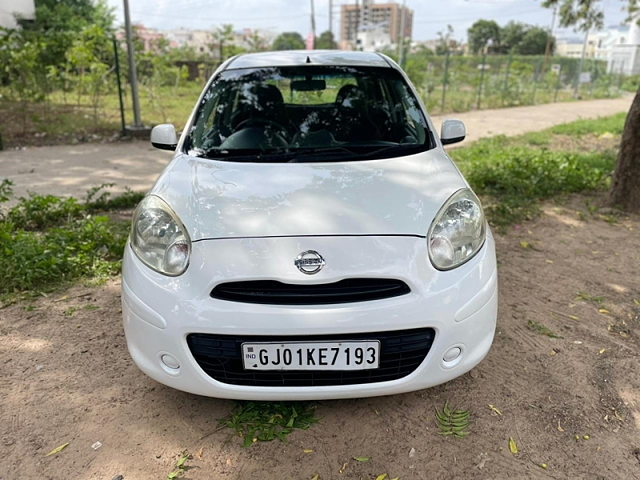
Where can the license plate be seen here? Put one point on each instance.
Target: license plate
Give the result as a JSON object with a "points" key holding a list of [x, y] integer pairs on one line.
{"points": [[360, 355]]}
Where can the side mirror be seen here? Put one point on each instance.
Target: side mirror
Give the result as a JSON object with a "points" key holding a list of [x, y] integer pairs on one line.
{"points": [[453, 131], [164, 137]]}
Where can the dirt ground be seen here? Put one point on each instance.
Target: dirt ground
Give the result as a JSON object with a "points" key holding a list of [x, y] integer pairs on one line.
{"points": [[74, 169], [572, 403]]}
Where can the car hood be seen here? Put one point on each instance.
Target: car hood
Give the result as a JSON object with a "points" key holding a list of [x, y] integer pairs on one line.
{"points": [[396, 196]]}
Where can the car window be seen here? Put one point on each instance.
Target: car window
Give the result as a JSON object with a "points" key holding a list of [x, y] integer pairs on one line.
{"points": [[355, 111]]}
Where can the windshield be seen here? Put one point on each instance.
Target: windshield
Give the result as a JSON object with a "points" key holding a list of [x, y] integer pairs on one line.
{"points": [[308, 113]]}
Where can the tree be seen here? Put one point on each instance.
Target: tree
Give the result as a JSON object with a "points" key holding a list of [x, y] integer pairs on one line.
{"points": [[481, 33], [445, 41], [288, 41], [326, 41], [20, 69], [84, 58], [256, 42], [511, 35], [534, 42], [625, 186], [59, 22], [417, 65], [222, 37]]}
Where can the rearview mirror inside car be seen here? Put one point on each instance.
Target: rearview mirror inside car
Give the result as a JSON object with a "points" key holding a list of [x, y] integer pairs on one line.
{"points": [[308, 85]]}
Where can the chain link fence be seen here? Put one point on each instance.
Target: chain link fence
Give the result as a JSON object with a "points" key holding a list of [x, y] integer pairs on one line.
{"points": [[459, 84]]}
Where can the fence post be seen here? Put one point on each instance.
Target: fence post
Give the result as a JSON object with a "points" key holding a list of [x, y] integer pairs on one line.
{"points": [[115, 52], [484, 60], [593, 76], [506, 80], [536, 75], [444, 80], [620, 77], [555, 94]]}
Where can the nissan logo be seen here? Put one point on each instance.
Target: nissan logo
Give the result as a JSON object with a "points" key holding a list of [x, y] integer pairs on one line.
{"points": [[309, 262]]}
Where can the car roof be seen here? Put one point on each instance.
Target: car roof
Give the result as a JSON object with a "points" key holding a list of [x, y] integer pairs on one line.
{"points": [[311, 57]]}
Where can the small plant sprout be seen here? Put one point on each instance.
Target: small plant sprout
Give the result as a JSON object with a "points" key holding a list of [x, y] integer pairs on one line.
{"points": [[452, 422]]}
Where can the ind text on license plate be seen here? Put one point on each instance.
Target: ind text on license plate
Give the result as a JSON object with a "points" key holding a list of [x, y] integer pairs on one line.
{"points": [[356, 355]]}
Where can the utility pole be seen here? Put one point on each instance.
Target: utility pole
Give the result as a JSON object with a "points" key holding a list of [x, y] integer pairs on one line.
{"points": [[357, 47], [313, 20], [331, 17], [137, 123], [547, 49], [402, 35], [584, 52]]}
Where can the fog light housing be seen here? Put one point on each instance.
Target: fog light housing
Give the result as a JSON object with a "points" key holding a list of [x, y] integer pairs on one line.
{"points": [[170, 361]]}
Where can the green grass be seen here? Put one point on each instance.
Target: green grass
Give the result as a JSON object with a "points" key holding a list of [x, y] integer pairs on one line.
{"points": [[48, 241], [541, 329], [613, 124], [512, 174], [66, 117]]}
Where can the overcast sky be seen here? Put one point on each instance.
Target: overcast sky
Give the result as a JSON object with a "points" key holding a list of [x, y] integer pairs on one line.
{"points": [[430, 16]]}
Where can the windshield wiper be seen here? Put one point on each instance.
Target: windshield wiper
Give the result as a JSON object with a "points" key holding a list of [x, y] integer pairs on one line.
{"points": [[335, 153], [351, 152], [244, 154]]}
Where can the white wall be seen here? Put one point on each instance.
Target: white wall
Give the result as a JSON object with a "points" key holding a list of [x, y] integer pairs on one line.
{"points": [[634, 32], [25, 8]]}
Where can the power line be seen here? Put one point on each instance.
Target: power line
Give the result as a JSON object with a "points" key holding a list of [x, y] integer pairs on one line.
{"points": [[451, 19], [218, 20]]}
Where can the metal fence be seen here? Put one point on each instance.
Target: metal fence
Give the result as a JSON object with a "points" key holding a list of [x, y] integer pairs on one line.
{"points": [[459, 84]]}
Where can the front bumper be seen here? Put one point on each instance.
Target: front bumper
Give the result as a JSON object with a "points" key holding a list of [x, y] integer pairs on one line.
{"points": [[160, 312]]}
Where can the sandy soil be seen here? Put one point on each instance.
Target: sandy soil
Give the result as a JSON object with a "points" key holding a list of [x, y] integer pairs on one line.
{"points": [[65, 376], [74, 169]]}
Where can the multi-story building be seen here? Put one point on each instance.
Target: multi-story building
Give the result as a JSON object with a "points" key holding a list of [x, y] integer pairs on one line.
{"points": [[618, 45], [365, 15], [624, 56], [572, 46], [9, 9], [198, 40]]}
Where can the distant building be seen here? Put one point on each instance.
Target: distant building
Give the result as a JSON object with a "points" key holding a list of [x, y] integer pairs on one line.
{"points": [[10, 9], [609, 38], [198, 40], [618, 45], [624, 56], [374, 20], [572, 46], [373, 38], [202, 41], [148, 36]]}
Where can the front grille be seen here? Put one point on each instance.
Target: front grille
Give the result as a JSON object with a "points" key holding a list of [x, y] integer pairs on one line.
{"points": [[401, 352], [272, 292]]}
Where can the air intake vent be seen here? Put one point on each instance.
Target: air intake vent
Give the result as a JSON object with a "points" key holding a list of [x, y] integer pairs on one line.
{"points": [[401, 352], [272, 292]]}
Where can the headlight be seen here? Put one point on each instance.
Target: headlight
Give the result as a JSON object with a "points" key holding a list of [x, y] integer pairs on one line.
{"points": [[159, 238], [458, 231]]}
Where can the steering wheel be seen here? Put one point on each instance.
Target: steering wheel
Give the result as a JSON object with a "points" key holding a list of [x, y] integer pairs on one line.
{"points": [[261, 121]]}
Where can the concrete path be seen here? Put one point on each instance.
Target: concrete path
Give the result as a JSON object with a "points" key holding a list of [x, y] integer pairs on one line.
{"points": [[73, 169]]}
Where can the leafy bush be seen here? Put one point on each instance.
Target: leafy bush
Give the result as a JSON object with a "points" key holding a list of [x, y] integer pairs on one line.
{"points": [[46, 241], [533, 173], [513, 178], [631, 83], [105, 202], [88, 247], [38, 212]]}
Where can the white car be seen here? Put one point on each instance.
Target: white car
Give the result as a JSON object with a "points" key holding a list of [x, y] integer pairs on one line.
{"points": [[309, 240]]}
